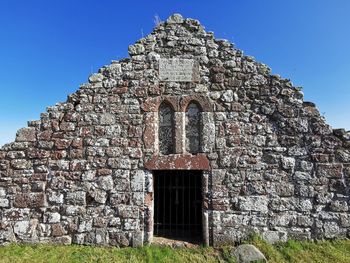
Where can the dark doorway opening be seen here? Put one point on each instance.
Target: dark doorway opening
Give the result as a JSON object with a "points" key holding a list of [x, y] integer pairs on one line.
{"points": [[178, 205]]}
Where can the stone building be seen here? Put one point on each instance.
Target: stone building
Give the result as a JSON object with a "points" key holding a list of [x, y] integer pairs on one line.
{"points": [[187, 138]]}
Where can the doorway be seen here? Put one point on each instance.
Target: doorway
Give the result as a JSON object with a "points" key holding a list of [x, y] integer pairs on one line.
{"points": [[178, 205]]}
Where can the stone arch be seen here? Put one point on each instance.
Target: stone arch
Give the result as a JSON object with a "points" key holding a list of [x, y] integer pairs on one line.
{"points": [[202, 101], [166, 131], [153, 104]]}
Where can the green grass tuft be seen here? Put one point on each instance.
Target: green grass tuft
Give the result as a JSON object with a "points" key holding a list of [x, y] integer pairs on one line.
{"points": [[292, 251]]}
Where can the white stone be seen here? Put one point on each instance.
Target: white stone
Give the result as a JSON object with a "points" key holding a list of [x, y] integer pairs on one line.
{"points": [[175, 19], [105, 183], [22, 228], [107, 118], [227, 96], [4, 202], [254, 203], [288, 162], [137, 180], [94, 78], [136, 49], [2, 192], [248, 253], [54, 217]]}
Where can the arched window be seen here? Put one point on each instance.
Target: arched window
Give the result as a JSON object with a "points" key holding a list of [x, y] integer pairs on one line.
{"points": [[166, 129], [193, 128]]}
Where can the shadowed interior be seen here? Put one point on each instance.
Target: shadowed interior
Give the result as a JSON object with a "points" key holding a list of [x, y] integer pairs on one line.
{"points": [[177, 205]]}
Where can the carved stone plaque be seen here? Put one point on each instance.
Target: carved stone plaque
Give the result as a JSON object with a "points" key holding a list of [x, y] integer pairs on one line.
{"points": [[177, 69]]}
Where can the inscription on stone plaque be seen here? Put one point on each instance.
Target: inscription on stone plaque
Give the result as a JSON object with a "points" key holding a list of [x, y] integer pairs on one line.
{"points": [[176, 69]]}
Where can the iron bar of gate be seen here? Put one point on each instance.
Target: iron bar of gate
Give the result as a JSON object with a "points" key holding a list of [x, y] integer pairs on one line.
{"points": [[189, 200], [169, 200], [183, 205], [196, 200], [176, 200], [156, 179], [164, 204], [195, 203]]}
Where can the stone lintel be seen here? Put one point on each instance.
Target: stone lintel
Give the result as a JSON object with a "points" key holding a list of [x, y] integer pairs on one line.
{"points": [[179, 162]]}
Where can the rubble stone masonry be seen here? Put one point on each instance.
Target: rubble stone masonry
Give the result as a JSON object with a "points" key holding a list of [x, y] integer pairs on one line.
{"points": [[82, 173]]}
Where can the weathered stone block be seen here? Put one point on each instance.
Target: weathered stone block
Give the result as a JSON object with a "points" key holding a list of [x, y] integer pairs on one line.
{"points": [[329, 170], [137, 180], [30, 200], [4, 203], [95, 78], [76, 198], [119, 163], [331, 229], [125, 211], [288, 163], [53, 217], [253, 203], [339, 206], [21, 164], [26, 135], [55, 198], [105, 183], [57, 230], [98, 195]]}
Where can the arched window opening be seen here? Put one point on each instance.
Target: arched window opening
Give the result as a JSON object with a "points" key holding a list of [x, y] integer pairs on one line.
{"points": [[193, 128], [166, 129]]}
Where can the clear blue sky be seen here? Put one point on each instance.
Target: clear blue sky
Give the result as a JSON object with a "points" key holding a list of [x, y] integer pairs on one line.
{"points": [[48, 48]]}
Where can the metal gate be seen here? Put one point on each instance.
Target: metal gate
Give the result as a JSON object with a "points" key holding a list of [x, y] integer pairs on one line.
{"points": [[178, 205]]}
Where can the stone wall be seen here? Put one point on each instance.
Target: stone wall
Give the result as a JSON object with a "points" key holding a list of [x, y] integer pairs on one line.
{"points": [[274, 167]]}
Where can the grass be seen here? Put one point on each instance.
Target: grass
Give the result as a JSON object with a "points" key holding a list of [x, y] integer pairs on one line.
{"points": [[305, 251], [74, 253], [292, 251]]}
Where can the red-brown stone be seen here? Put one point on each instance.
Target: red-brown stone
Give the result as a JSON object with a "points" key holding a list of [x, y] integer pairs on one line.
{"points": [[62, 144], [120, 90], [179, 162], [30, 200], [38, 154], [57, 230], [45, 135], [77, 143], [104, 172]]}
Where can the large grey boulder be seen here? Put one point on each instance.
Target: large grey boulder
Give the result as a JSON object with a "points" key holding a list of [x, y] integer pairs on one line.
{"points": [[248, 253]]}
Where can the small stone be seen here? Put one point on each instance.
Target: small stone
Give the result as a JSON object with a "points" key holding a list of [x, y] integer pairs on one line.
{"points": [[175, 19], [55, 198], [331, 229], [63, 240], [152, 56], [26, 135], [136, 49], [227, 96], [98, 195], [54, 217], [248, 253], [57, 230], [288, 163], [107, 118], [273, 236], [22, 228], [21, 164], [105, 183], [30, 200], [94, 78], [137, 180], [4, 202], [254, 203]]}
